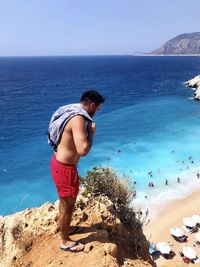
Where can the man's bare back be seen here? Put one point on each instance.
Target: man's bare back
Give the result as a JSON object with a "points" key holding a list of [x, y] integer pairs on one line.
{"points": [[76, 140]]}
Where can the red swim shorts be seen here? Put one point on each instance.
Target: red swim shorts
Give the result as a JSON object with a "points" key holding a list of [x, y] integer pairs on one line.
{"points": [[65, 178]]}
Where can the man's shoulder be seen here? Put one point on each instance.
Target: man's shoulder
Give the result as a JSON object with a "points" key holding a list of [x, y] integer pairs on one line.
{"points": [[76, 120]]}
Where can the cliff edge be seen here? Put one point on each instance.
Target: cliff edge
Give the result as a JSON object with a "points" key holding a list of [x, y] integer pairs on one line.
{"points": [[31, 237]]}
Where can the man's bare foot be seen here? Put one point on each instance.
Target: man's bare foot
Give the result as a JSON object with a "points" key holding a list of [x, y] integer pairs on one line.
{"points": [[68, 242]]}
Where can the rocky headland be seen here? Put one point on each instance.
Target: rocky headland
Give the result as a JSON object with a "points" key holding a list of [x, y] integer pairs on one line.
{"points": [[195, 84], [31, 237], [183, 44]]}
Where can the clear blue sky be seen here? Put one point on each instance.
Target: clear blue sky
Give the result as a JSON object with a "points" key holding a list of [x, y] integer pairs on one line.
{"points": [[92, 27]]}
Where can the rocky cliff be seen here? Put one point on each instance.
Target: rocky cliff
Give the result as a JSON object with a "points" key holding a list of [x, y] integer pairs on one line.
{"points": [[195, 84], [31, 238], [183, 44]]}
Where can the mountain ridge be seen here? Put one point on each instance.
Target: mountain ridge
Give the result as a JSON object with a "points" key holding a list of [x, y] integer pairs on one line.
{"points": [[182, 44]]}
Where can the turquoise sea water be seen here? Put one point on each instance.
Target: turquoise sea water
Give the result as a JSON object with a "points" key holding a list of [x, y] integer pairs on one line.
{"points": [[149, 123]]}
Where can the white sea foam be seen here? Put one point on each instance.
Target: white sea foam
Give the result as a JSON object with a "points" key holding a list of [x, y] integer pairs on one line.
{"points": [[159, 197]]}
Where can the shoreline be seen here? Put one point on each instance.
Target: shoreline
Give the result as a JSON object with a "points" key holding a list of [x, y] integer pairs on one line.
{"points": [[171, 215], [155, 200], [178, 207]]}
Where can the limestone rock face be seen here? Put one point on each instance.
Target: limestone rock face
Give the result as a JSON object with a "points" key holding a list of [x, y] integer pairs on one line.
{"points": [[17, 230], [31, 238], [195, 84], [197, 93]]}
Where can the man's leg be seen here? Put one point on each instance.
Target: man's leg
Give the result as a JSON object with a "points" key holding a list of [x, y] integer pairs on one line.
{"points": [[66, 208]]}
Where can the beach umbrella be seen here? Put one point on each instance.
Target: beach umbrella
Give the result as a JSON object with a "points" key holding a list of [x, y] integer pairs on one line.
{"points": [[163, 247], [196, 218], [198, 237], [175, 231], [189, 253], [189, 222]]}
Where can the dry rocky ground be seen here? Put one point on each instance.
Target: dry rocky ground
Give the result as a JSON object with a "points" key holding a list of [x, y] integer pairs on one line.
{"points": [[31, 238]]}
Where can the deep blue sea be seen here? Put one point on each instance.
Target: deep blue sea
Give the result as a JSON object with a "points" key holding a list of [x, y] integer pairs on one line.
{"points": [[149, 122]]}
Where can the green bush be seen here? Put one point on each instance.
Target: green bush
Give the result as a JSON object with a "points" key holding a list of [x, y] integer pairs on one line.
{"points": [[105, 181]]}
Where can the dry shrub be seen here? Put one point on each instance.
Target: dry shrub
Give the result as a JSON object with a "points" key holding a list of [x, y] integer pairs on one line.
{"points": [[118, 188]]}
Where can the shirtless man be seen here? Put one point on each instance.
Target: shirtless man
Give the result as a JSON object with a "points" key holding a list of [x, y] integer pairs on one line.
{"points": [[75, 142]]}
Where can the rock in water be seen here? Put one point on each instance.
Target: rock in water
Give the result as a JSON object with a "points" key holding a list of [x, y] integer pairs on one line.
{"points": [[195, 84]]}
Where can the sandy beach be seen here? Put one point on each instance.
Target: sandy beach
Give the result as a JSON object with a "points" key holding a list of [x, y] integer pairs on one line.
{"points": [[170, 216]]}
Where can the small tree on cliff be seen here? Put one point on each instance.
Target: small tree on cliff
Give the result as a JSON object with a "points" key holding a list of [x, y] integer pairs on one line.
{"points": [[119, 189]]}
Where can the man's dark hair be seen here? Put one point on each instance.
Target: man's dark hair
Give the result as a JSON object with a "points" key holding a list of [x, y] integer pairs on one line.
{"points": [[92, 96]]}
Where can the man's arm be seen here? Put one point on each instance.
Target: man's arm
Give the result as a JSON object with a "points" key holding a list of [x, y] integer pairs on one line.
{"points": [[82, 140]]}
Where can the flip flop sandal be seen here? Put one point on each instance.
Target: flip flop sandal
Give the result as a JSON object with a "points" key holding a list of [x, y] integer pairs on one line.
{"points": [[72, 247], [67, 247], [75, 249]]}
